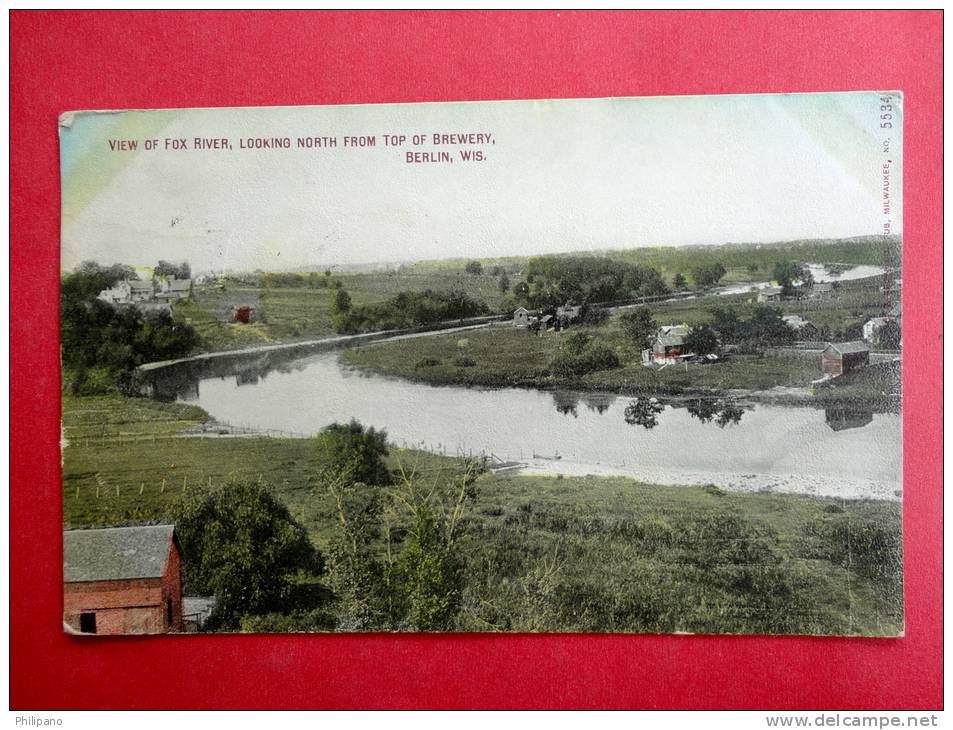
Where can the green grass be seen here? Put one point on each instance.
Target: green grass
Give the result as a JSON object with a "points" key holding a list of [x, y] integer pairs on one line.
{"points": [[542, 553], [298, 313], [507, 356]]}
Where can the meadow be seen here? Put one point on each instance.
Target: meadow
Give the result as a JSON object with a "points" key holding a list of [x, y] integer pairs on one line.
{"points": [[540, 553], [298, 306]]}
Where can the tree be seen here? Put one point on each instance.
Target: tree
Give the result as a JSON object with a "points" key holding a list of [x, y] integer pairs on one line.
{"points": [[726, 324], [504, 283], [639, 326], [355, 451], [767, 326], [241, 544], [786, 273], [890, 335], [679, 281], [701, 340], [521, 291], [341, 303], [708, 274], [474, 267]]}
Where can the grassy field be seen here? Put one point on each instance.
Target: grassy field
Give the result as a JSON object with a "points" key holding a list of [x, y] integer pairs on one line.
{"points": [[304, 312], [542, 553], [507, 356]]}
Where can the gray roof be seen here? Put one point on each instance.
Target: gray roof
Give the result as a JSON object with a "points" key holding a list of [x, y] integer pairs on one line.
{"points": [[824, 286], [116, 553], [846, 348], [140, 285], [771, 290], [180, 284]]}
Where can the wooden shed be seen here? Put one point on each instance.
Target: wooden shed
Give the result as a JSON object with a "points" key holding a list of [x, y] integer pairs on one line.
{"points": [[122, 580], [842, 357]]}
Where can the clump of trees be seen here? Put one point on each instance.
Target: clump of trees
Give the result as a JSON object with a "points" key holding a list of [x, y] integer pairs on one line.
{"points": [[405, 309], [474, 267], [707, 275], [176, 271], [241, 545], [639, 326], [764, 326], [579, 354], [551, 281], [788, 274], [102, 345]]}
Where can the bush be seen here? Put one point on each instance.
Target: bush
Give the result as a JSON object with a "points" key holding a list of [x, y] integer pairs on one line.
{"points": [[462, 361], [241, 544], [355, 452], [426, 362], [580, 355]]}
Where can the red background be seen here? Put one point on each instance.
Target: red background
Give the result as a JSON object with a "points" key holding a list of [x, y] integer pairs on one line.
{"points": [[63, 61]]}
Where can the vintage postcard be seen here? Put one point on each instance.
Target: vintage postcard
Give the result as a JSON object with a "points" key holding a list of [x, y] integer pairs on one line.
{"points": [[604, 365]]}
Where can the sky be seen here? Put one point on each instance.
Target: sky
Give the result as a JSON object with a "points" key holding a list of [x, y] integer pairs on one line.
{"points": [[567, 175]]}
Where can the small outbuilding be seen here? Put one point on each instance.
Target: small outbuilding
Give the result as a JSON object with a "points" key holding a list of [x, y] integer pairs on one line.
{"points": [[770, 294], [822, 290], [843, 357], [122, 580], [523, 316]]}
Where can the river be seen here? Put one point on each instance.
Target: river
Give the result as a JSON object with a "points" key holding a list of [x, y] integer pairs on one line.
{"points": [[838, 452]]}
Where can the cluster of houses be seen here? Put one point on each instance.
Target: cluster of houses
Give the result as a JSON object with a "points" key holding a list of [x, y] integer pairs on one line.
{"points": [[821, 290], [156, 294], [533, 318], [127, 580]]}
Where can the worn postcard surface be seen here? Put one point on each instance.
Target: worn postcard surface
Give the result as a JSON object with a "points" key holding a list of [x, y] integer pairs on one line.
{"points": [[608, 365]]}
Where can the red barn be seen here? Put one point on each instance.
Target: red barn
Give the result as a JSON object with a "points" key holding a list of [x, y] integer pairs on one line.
{"points": [[842, 357], [122, 580]]}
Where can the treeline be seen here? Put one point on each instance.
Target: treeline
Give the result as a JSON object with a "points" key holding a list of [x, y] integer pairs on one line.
{"points": [[101, 344], [550, 281], [762, 258], [405, 309]]}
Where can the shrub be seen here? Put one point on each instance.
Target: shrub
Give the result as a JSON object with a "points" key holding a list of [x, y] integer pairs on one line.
{"points": [[426, 362], [462, 361]]}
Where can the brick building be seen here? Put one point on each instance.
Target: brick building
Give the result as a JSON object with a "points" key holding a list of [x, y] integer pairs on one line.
{"points": [[122, 580]]}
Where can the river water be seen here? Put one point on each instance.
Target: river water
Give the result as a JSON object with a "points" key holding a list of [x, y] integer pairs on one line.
{"points": [[821, 274], [836, 452]]}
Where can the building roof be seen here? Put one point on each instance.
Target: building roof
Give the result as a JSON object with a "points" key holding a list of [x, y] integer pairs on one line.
{"points": [[795, 320], [116, 553], [847, 348], [140, 285], [823, 286], [771, 290], [180, 284]]}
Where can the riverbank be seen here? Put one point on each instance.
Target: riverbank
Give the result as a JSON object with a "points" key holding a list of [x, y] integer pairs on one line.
{"points": [[542, 552], [502, 356]]}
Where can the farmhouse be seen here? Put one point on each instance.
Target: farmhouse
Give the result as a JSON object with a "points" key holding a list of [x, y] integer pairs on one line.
{"points": [[567, 314], [822, 290], [803, 328], [843, 357], [523, 316], [669, 345], [770, 294], [172, 290], [128, 291], [872, 328], [122, 580]]}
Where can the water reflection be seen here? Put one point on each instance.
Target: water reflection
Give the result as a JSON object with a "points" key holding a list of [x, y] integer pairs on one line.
{"points": [[718, 411], [842, 417], [643, 412], [567, 402]]}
